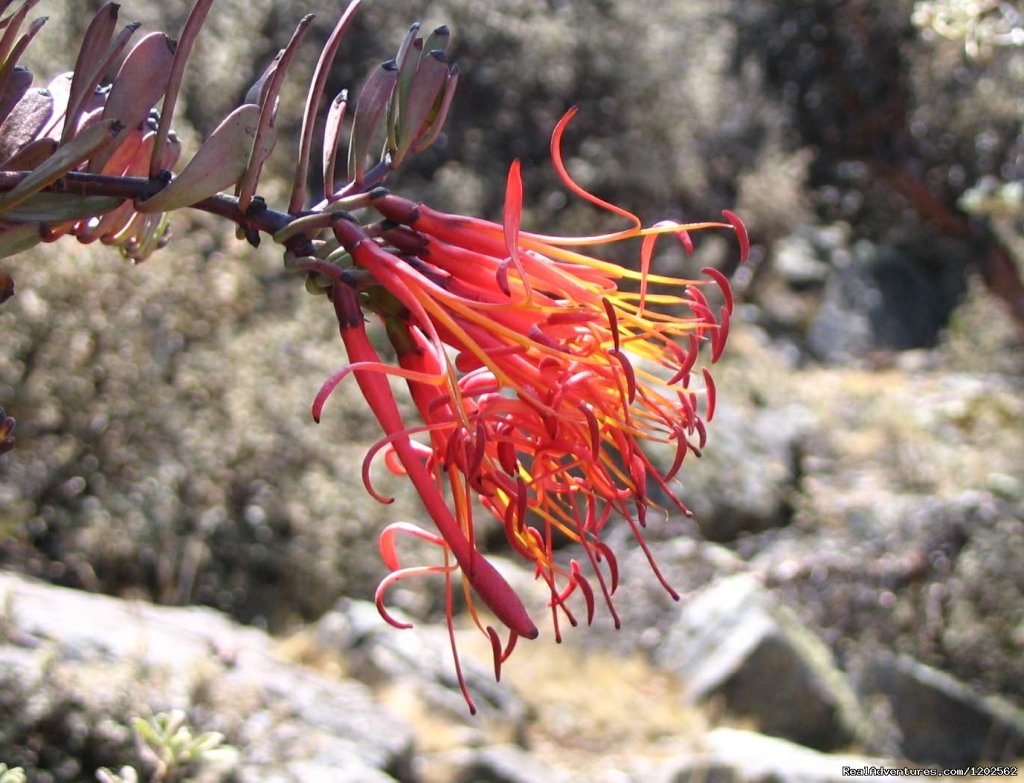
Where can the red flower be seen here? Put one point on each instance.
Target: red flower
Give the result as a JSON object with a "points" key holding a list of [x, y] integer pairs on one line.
{"points": [[540, 380]]}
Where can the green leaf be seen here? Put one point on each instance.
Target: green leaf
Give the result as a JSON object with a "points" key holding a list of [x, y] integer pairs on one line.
{"points": [[64, 159], [370, 107], [18, 239], [59, 208]]}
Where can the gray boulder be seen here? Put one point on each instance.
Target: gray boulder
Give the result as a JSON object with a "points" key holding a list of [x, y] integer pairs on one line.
{"points": [[505, 764], [735, 643], [748, 476], [75, 668], [940, 719], [737, 756], [420, 659]]}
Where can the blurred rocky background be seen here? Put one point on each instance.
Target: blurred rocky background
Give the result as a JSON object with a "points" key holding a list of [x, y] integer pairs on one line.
{"points": [[855, 594]]}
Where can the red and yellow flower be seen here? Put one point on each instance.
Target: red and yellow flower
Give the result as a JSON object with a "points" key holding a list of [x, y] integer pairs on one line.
{"points": [[542, 376]]}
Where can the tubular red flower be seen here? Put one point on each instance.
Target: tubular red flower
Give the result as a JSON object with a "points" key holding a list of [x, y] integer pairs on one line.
{"points": [[542, 377]]}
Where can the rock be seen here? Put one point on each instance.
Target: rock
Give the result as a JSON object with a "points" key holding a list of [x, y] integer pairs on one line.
{"points": [[734, 642], [887, 297], [702, 770], [736, 756], [748, 475], [942, 720], [804, 259], [505, 764], [984, 631], [646, 609], [421, 659], [75, 668]]}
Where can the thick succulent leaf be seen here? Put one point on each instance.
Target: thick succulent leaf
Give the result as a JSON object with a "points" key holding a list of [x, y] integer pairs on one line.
{"points": [[408, 49], [15, 89], [169, 155], [18, 239], [59, 207], [60, 89], [332, 139], [6, 292], [189, 35], [25, 122], [14, 22], [91, 53], [439, 40], [373, 101], [64, 159], [139, 84], [440, 114], [407, 60], [30, 156], [313, 96], [266, 133], [426, 93], [220, 163], [7, 70], [255, 92]]}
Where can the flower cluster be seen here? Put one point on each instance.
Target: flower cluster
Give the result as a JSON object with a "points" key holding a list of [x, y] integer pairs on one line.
{"points": [[541, 376]]}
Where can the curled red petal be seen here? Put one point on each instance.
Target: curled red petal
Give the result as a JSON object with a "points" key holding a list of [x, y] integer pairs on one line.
{"points": [[627, 369], [563, 174], [702, 434], [455, 452], [638, 468], [512, 639], [698, 296], [537, 334], [397, 576], [686, 240], [723, 285], [368, 482], [479, 446], [591, 517], [690, 358], [613, 320], [495, 651], [605, 591], [512, 522], [585, 588], [605, 552], [367, 367], [510, 229], [720, 335], [325, 391], [592, 428], [681, 448], [513, 210], [709, 387], [741, 233], [388, 547], [507, 456]]}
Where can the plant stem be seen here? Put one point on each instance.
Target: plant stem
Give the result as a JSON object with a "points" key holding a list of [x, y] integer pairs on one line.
{"points": [[258, 218]]}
